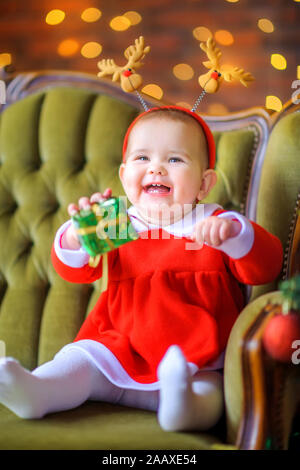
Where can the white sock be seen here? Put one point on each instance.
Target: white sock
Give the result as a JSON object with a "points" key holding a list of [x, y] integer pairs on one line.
{"points": [[187, 403], [64, 383]]}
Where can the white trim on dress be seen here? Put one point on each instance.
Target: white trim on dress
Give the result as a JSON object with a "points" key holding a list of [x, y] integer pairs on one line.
{"points": [[110, 366]]}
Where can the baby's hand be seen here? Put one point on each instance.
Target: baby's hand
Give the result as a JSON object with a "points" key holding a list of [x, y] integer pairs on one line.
{"points": [[70, 239], [215, 230]]}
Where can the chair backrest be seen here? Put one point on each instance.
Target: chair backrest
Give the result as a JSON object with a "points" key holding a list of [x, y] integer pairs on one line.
{"points": [[279, 186], [241, 141], [60, 138]]}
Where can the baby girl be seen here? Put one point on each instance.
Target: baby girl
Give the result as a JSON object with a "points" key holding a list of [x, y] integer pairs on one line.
{"points": [[157, 335]]}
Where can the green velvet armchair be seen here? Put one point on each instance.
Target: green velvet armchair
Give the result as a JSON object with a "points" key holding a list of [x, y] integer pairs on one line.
{"points": [[60, 138]]}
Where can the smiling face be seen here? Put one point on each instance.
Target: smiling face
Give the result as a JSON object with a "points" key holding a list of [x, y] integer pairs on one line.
{"points": [[166, 168]]}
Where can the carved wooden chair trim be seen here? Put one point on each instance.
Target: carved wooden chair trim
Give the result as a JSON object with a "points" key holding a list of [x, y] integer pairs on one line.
{"points": [[271, 391]]}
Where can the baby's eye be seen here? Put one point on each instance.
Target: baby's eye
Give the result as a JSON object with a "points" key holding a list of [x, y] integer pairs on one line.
{"points": [[142, 157], [175, 159]]}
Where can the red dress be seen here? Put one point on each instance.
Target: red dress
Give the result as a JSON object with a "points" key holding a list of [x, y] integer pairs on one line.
{"points": [[159, 293]]}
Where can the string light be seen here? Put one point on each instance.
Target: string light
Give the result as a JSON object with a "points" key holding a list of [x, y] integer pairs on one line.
{"points": [[91, 14], [265, 25], [153, 90], [90, 50], [183, 72], [202, 33], [278, 61], [226, 67], [120, 23], [274, 103], [133, 17], [5, 59], [68, 47], [55, 17], [224, 37], [217, 109]]}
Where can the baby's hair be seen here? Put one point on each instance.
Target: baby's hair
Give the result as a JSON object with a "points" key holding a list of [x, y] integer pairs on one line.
{"points": [[175, 115]]}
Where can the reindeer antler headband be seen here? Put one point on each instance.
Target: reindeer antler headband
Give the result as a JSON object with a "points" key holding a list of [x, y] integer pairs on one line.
{"points": [[209, 82], [130, 81]]}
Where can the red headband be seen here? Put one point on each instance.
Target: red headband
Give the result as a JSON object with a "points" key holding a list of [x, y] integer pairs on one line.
{"points": [[209, 137]]}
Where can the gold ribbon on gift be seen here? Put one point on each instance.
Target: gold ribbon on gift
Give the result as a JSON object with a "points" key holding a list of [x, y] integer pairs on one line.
{"points": [[102, 224], [94, 261], [99, 229]]}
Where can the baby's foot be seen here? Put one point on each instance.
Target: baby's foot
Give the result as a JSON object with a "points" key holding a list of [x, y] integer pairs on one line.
{"points": [[175, 391], [19, 389]]}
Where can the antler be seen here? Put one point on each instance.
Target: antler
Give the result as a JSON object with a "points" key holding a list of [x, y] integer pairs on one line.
{"points": [[211, 80], [136, 53], [213, 53], [109, 67], [130, 81], [238, 74]]}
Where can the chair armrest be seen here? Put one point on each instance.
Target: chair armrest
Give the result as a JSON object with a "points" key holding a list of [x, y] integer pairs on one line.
{"points": [[261, 394]]}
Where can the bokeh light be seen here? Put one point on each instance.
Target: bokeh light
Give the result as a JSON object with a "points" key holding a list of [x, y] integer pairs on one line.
{"points": [[91, 14], [184, 104], [278, 61], [55, 17], [274, 103], [153, 90], [5, 59], [224, 37], [68, 47], [183, 72], [202, 33], [226, 67], [232, 1], [120, 23], [90, 50], [217, 109], [133, 16], [265, 25]]}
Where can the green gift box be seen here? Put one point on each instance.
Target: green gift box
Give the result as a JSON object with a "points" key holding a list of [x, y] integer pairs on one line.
{"points": [[104, 227]]}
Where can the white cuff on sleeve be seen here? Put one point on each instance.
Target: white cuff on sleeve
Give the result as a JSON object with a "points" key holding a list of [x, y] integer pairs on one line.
{"points": [[72, 258], [240, 245]]}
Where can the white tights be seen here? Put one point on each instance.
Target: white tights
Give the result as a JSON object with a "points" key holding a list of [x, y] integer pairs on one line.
{"points": [[182, 403]]}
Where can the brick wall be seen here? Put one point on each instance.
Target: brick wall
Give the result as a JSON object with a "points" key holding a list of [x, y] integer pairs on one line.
{"points": [[168, 27]]}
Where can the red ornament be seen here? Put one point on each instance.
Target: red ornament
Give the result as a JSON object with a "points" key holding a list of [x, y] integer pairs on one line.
{"points": [[127, 73], [215, 75], [279, 335]]}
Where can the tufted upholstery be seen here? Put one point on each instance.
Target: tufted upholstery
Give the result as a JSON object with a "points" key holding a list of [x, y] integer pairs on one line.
{"points": [[56, 145], [52, 150]]}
